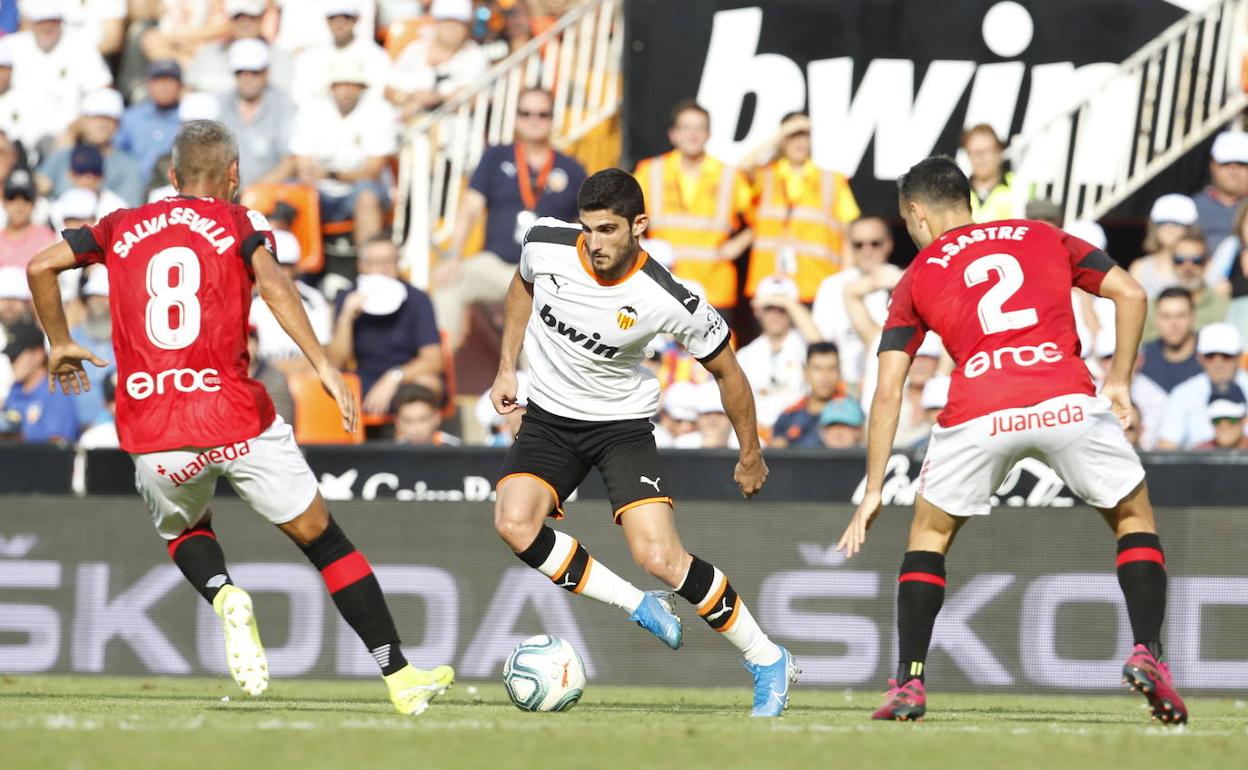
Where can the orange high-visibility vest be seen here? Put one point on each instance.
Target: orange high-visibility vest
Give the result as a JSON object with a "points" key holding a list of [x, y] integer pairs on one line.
{"points": [[697, 226], [799, 235]]}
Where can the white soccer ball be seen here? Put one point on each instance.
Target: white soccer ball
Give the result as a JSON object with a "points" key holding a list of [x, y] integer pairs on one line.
{"points": [[544, 673]]}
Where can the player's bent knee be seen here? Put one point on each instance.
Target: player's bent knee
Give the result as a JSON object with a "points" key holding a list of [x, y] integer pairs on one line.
{"points": [[661, 561], [516, 524]]}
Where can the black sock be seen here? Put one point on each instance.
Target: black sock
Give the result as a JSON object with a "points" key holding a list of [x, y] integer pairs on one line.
{"points": [[712, 596], [575, 567], [920, 593], [1142, 577], [198, 554], [357, 595]]}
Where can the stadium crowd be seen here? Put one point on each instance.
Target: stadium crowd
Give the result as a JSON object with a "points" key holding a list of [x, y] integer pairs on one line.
{"points": [[92, 93]]}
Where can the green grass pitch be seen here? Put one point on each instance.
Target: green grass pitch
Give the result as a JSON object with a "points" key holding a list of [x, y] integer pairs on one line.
{"points": [[91, 722]]}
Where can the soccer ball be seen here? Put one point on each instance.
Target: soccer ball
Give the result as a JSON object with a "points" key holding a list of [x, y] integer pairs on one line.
{"points": [[544, 673]]}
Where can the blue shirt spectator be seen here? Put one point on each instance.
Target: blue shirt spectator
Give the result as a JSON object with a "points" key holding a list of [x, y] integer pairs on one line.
{"points": [[101, 116], [147, 129], [1228, 172], [499, 178], [95, 333], [41, 415], [1167, 374], [1185, 423], [1171, 358]]}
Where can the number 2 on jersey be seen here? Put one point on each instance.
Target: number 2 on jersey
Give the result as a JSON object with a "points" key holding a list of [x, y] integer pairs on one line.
{"points": [[1009, 280], [180, 331]]}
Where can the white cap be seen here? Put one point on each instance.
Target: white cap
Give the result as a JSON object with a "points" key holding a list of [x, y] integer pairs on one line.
{"points": [[97, 282], [1086, 229], [451, 10], [1230, 147], [935, 392], [1106, 342], [250, 55], [1175, 208], [1219, 338], [13, 283], [342, 8], [288, 251], [1220, 408], [347, 68], [77, 203], [6, 52], [775, 285], [103, 103], [931, 347], [680, 401], [248, 7], [198, 105], [43, 10], [709, 400]]}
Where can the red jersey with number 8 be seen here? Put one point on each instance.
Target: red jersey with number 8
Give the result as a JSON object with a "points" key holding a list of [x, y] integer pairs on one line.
{"points": [[180, 281], [998, 294]]}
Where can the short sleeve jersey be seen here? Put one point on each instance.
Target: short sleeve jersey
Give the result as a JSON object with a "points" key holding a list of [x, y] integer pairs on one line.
{"points": [[998, 294], [586, 336], [180, 285]]}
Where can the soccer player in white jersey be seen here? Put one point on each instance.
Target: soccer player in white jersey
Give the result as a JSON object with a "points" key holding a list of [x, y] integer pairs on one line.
{"points": [[584, 303]]}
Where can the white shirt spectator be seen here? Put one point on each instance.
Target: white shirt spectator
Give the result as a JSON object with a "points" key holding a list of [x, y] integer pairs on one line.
{"points": [[88, 17], [831, 318], [1185, 422], [101, 436], [303, 24], [311, 75], [1150, 399], [54, 82], [412, 72], [343, 142], [777, 379]]}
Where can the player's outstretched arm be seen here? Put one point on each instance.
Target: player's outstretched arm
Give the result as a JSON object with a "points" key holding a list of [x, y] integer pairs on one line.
{"points": [[1130, 308], [738, 399], [280, 294], [881, 430], [65, 356], [516, 311]]}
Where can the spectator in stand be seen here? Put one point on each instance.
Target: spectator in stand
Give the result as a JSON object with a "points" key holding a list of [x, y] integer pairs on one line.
{"points": [[19, 112], [1185, 423], [342, 145], [15, 309], [95, 333], [431, 70], [1190, 258], [86, 172], [1043, 210], [934, 400], [513, 185], [314, 67], [994, 195], [1148, 398], [103, 434], [211, 68], [21, 238], [275, 347], [912, 423], [1172, 217], [101, 116], [44, 416], [259, 114], [678, 415], [52, 68], [684, 192], [870, 246], [840, 424], [774, 362], [182, 26], [713, 428], [272, 378], [501, 429], [798, 426], [1226, 412], [102, 21], [1228, 172], [418, 418], [802, 211], [1171, 358], [147, 128], [1228, 270], [388, 328]]}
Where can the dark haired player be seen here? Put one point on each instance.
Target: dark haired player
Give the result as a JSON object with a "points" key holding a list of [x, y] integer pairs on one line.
{"points": [[998, 294], [180, 273], [591, 300]]}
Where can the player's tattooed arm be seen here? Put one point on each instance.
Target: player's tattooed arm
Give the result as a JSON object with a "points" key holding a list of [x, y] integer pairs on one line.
{"points": [[517, 308], [738, 399]]}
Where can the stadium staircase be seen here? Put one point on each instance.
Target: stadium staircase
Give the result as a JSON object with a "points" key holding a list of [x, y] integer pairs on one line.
{"points": [[1165, 99], [578, 60]]}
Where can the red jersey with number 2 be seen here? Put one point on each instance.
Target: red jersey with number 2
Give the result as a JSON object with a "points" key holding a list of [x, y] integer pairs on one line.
{"points": [[180, 279], [998, 294]]}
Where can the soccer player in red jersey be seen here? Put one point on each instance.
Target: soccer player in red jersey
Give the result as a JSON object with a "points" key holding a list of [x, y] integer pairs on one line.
{"points": [[180, 276], [998, 294]]}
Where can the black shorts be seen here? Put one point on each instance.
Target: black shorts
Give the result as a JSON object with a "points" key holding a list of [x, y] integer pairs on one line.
{"points": [[559, 452]]}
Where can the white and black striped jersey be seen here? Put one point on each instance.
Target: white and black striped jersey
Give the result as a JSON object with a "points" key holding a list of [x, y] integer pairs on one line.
{"points": [[586, 336]]}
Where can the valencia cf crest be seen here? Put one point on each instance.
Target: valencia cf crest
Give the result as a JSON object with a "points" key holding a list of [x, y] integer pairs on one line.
{"points": [[626, 317]]}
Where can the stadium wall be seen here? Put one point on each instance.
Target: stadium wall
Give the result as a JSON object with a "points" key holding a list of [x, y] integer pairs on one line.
{"points": [[1033, 603]]}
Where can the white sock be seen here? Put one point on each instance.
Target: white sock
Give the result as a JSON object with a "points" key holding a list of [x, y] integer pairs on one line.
{"points": [[570, 567]]}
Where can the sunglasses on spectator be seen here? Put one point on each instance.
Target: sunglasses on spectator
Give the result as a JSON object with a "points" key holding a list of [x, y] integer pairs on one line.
{"points": [[238, 16], [1227, 420], [1193, 259], [1220, 356], [533, 114], [876, 244]]}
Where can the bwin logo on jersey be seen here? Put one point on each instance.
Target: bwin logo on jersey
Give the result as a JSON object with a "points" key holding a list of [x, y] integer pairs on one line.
{"points": [[578, 337], [626, 317]]}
